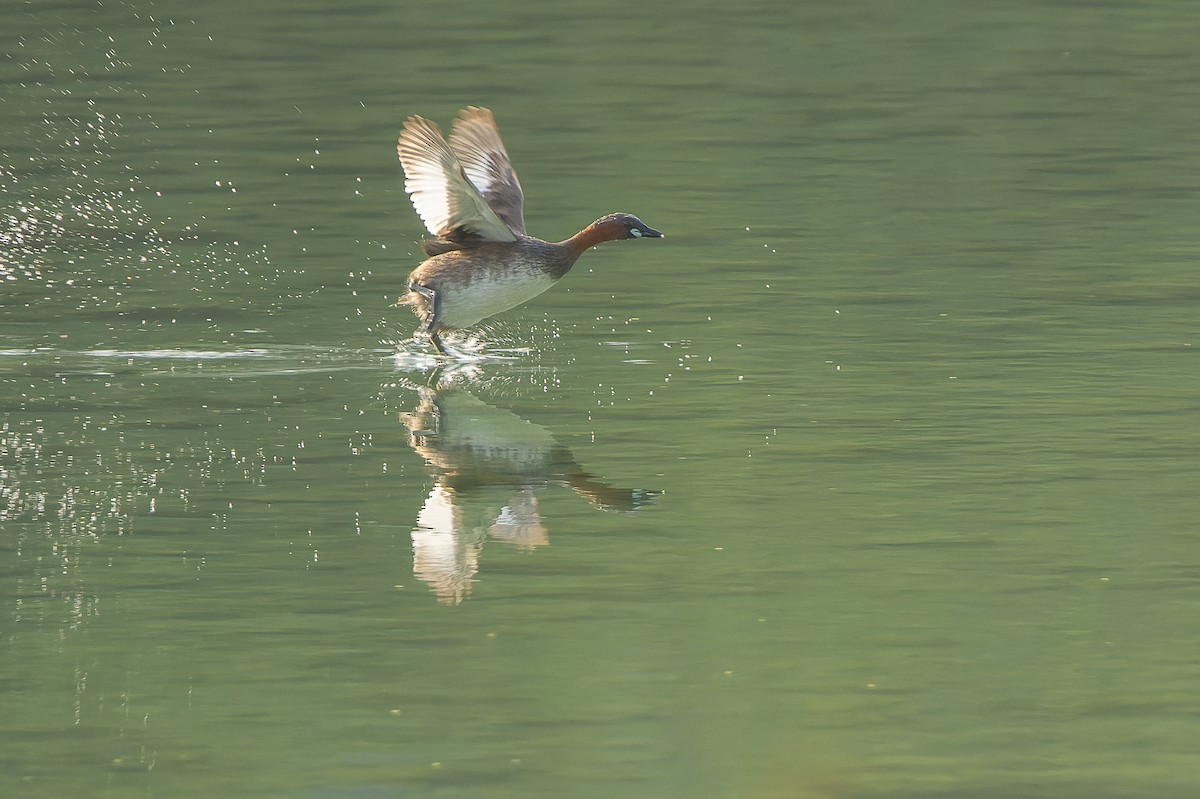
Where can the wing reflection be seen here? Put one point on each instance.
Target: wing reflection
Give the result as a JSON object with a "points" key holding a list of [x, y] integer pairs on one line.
{"points": [[489, 465]]}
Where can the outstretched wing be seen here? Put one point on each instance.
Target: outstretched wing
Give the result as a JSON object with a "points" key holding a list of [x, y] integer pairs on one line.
{"points": [[475, 140], [449, 204]]}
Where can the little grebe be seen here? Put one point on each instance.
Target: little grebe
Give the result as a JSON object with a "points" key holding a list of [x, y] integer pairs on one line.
{"points": [[481, 263]]}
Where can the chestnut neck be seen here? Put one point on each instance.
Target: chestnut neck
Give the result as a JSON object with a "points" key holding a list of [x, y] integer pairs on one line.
{"points": [[593, 234]]}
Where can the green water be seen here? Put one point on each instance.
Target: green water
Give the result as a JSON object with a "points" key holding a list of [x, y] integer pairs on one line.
{"points": [[877, 477]]}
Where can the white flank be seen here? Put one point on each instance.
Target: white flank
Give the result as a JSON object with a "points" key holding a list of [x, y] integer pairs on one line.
{"points": [[487, 296]]}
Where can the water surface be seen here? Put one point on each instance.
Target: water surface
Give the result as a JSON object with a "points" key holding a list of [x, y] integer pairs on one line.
{"points": [[876, 477]]}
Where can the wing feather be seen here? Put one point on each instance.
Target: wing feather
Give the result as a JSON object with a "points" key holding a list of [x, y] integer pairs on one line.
{"points": [[447, 201], [475, 140]]}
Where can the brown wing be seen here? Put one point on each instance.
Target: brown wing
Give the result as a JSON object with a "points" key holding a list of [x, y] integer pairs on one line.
{"points": [[446, 200], [475, 140]]}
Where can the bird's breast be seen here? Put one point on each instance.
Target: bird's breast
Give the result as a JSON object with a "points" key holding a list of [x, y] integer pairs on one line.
{"points": [[488, 292]]}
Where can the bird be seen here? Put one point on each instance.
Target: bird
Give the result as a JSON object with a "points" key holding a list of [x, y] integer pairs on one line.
{"points": [[480, 261]]}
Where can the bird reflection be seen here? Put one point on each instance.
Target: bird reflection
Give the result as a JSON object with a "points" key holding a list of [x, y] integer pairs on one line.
{"points": [[489, 465]]}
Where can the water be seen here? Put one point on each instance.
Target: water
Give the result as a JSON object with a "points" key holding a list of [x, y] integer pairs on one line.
{"points": [[876, 477]]}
